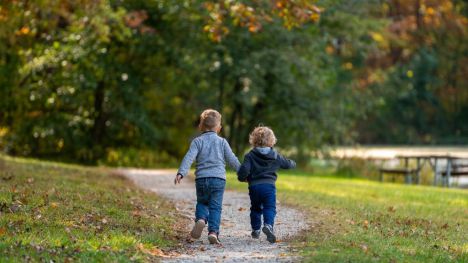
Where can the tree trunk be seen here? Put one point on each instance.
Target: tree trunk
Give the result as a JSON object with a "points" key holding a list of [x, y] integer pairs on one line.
{"points": [[234, 120], [99, 115]]}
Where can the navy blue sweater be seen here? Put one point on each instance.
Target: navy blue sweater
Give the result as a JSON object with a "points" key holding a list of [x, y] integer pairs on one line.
{"points": [[259, 168]]}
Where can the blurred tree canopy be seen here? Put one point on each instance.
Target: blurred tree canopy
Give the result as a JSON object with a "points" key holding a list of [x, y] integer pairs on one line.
{"points": [[92, 80]]}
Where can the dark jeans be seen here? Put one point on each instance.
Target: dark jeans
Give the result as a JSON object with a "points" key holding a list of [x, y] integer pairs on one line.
{"points": [[263, 202], [210, 201]]}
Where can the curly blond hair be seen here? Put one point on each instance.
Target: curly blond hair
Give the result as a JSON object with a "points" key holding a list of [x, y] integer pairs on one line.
{"points": [[209, 120], [262, 137]]}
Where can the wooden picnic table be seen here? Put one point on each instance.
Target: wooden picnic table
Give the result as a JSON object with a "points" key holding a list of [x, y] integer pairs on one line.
{"points": [[435, 163]]}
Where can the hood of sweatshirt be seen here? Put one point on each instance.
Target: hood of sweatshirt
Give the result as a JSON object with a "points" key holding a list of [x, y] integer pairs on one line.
{"points": [[266, 154]]}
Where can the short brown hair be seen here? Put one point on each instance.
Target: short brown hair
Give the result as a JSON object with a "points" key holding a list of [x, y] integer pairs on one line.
{"points": [[209, 119], [262, 137]]}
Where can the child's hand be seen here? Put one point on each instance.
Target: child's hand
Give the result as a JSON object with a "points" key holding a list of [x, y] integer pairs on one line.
{"points": [[178, 178]]}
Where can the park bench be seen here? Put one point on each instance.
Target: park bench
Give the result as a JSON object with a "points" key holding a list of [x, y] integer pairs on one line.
{"points": [[407, 172], [444, 167], [457, 167]]}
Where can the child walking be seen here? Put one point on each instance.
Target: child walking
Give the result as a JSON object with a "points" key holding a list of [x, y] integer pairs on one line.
{"points": [[259, 170], [211, 153]]}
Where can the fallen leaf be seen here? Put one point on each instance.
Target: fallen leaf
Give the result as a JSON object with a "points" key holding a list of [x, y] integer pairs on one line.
{"points": [[104, 221], [241, 209], [2, 231], [153, 251], [136, 213], [54, 205], [391, 209], [365, 224], [364, 248]]}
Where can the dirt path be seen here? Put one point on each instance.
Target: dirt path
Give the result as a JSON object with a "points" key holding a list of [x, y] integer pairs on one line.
{"points": [[237, 245]]}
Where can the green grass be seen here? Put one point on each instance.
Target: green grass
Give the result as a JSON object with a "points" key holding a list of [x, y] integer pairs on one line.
{"points": [[51, 211], [355, 220]]}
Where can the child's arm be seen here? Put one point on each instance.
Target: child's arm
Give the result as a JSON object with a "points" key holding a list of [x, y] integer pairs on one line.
{"points": [[286, 163], [187, 161], [244, 170], [230, 158]]}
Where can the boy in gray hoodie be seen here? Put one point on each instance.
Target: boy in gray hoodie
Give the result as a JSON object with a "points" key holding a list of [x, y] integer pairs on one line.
{"points": [[211, 153]]}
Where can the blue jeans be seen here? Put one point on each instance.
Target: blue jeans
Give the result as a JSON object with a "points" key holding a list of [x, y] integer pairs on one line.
{"points": [[210, 201], [263, 202]]}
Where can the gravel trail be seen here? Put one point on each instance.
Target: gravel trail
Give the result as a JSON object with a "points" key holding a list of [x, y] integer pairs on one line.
{"points": [[237, 245]]}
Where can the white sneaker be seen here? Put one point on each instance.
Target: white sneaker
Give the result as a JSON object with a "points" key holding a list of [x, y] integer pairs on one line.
{"points": [[213, 238], [197, 229]]}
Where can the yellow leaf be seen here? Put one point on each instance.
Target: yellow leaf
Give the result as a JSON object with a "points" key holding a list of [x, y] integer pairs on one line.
{"points": [[23, 31], [348, 65], [409, 73], [377, 37], [430, 11], [314, 17]]}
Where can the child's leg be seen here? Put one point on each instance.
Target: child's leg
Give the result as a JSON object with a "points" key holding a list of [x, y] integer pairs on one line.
{"points": [[269, 204], [203, 194], [217, 187], [255, 208]]}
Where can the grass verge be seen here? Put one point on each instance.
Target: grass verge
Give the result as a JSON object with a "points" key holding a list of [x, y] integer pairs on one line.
{"points": [[354, 220], [58, 212]]}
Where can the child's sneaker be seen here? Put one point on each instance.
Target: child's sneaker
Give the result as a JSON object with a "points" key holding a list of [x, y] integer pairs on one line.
{"points": [[268, 230], [255, 234], [213, 238], [197, 229]]}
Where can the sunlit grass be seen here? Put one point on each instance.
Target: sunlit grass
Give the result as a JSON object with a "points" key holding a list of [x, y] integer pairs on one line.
{"points": [[358, 220], [51, 211]]}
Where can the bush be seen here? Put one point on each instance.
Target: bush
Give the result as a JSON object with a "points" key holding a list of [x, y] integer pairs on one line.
{"points": [[356, 167], [131, 157]]}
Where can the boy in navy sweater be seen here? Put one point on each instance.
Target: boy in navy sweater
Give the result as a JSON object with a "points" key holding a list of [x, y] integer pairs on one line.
{"points": [[259, 170]]}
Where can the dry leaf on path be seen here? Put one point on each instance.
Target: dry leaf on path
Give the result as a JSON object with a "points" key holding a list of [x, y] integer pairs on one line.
{"points": [[154, 251], [364, 248]]}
